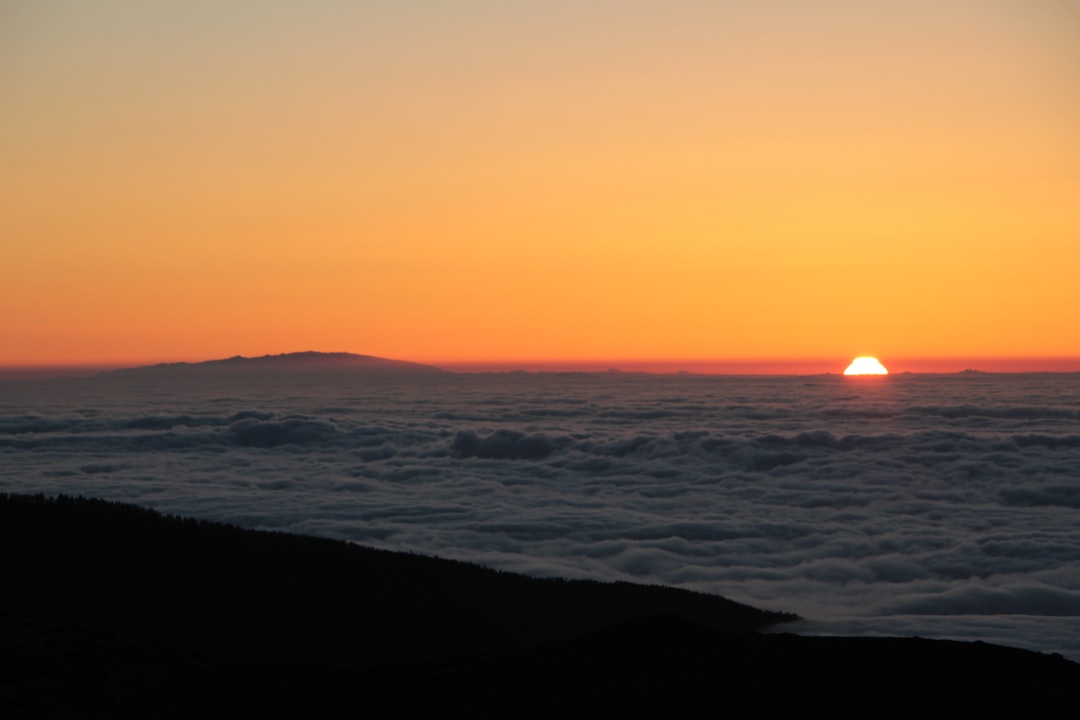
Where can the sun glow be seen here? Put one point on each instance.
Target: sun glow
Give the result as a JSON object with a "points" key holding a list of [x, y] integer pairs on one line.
{"points": [[866, 366]]}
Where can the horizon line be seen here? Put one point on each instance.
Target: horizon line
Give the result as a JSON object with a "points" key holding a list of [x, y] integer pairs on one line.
{"points": [[660, 366]]}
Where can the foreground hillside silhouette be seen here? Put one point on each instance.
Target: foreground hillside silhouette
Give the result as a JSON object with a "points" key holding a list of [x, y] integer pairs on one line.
{"points": [[113, 610]]}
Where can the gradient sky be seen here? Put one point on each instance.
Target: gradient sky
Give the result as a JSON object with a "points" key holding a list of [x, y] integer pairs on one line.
{"points": [[485, 180]]}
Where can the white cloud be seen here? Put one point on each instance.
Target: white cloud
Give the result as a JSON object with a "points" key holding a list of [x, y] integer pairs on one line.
{"points": [[843, 502]]}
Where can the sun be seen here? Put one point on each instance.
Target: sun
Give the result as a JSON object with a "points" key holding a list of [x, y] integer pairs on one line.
{"points": [[866, 366]]}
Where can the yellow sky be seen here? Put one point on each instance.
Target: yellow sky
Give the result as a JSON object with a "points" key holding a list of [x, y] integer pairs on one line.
{"points": [[487, 180]]}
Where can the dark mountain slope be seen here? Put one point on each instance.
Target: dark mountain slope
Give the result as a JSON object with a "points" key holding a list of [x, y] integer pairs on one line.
{"points": [[116, 611]]}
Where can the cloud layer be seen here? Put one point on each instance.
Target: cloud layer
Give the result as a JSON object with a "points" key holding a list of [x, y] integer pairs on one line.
{"points": [[935, 505]]}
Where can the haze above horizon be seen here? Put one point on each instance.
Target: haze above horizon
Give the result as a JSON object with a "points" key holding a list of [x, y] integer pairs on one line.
{"points": [[805, 366], [541, 184]]}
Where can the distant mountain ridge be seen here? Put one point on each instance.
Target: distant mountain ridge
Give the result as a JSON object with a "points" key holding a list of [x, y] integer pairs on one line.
{"points": [[308, 361]]}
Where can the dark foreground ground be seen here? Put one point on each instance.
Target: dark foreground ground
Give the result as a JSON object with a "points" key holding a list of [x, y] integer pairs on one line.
{"points": [[115, 611]]}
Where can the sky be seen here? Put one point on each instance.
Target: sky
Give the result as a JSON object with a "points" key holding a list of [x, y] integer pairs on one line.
{"points": [[481, 181]]}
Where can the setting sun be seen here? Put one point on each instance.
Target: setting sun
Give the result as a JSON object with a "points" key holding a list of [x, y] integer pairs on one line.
{"points": [[866, 366]]}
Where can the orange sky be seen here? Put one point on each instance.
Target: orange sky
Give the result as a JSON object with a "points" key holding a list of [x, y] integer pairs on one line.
{"points": [[480, 181]]}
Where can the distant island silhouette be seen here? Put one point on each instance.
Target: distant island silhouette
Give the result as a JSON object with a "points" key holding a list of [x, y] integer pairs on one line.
{"points": [[115, 611], [307, 362]]}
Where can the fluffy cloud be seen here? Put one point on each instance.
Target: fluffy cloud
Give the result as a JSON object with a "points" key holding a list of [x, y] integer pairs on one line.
{"points": [[874, 506]]}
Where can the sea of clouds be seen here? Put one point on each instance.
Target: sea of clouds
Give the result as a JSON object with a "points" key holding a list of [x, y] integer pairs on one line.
{"points": [[932, 505]]}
